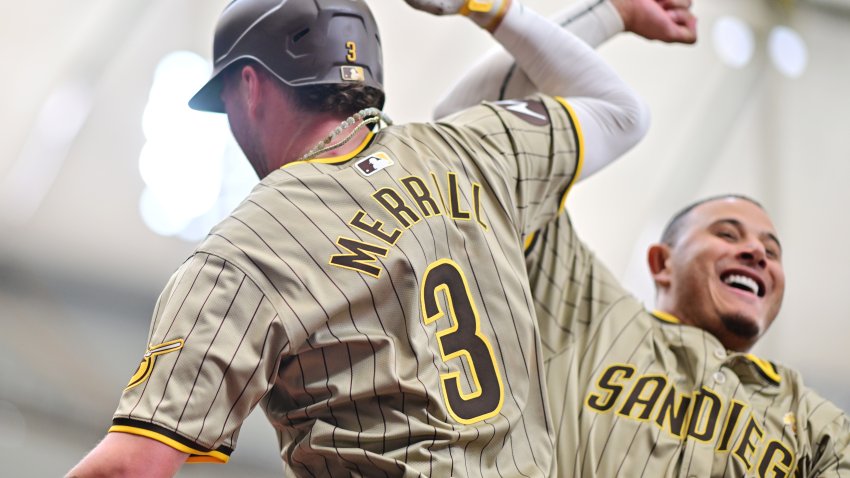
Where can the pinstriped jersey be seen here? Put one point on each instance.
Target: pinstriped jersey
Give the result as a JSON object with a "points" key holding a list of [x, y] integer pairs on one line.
{"points": [[634, 393], [375, 306]]}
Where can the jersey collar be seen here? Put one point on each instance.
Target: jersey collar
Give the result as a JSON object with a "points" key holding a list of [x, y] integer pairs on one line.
{"points": [[763, 369], [665, 317], [337, 159], [766, 369]]}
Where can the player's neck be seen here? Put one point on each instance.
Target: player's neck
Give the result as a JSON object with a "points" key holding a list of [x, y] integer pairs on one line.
{"points": [[347, 136], [338, 137], [290, 136], [301, 137]]}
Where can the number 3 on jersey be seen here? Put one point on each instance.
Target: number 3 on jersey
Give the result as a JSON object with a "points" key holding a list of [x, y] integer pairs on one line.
{"points": [[461, 339]]}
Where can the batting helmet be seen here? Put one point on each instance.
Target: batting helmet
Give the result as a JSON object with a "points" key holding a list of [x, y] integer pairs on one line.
{"points": [[301, 42]]}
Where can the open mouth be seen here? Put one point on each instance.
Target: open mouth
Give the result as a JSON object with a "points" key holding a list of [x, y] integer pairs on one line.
{"points": [[745, 283]]}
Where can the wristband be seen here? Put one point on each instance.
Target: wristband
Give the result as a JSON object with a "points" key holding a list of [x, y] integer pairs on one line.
{"points": [[488, 14]]}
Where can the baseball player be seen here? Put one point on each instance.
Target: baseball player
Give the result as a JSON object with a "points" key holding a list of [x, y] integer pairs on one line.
{"points": [[370, 294], [674, 391]]}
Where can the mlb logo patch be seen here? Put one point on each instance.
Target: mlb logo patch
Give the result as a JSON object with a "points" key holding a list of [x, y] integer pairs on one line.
{"points": [[352, 73], [374, 163]]}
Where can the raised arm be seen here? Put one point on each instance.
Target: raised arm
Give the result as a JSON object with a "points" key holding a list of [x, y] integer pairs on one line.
{"points": [[594, 21]]}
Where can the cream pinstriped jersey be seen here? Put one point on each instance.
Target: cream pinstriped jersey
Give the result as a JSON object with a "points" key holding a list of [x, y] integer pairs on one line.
{"points": [[376, 307], [636, 394]]}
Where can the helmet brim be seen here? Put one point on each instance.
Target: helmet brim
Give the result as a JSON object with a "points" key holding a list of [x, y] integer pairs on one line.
{"points": [[208, 98]]}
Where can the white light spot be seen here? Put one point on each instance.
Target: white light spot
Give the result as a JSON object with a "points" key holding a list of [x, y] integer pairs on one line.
{"points": [[787, 51], [177, 77], [156, 216], [186, 162], [733, 41]]}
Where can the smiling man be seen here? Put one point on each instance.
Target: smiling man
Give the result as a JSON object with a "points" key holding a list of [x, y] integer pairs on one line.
{"points": [[719, 267], [675, 391]]}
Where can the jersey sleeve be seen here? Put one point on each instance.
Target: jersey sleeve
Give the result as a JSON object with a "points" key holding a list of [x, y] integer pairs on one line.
{"points": [[212, 354], [536, 144], [829, 428]]}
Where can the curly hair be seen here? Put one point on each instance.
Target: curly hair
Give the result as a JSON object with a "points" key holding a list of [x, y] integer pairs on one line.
{"points": [[346, 99], [337, 98]]}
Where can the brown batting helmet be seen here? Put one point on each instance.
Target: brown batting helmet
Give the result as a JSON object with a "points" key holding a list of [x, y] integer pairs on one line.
{"points": [[301, 42]]}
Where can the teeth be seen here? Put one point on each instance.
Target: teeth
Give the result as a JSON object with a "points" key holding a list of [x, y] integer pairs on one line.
{"points": [[743, 282]]}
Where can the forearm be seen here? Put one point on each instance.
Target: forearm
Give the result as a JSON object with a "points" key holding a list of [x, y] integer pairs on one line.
{"points": [[611, 116], [557, 62], [496, 77], [124, 455]]}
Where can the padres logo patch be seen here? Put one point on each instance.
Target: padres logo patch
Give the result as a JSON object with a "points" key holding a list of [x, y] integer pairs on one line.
{"points": [[149, 359], [374, 163], [533, 112]]}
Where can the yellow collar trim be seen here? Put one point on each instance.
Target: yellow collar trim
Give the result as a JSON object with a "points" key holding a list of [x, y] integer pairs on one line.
{"points": [[766, 368], [337, 159], [670, 318]]}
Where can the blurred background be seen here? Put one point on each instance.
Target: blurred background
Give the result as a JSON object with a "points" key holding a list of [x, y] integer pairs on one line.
{"points": [[107, 181]]}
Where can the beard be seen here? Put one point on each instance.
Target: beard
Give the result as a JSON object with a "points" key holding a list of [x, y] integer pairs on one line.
{"points": [[741, 326]]}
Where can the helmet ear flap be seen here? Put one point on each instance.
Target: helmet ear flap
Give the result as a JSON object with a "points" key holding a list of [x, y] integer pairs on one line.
{"points": [[301, 42]]}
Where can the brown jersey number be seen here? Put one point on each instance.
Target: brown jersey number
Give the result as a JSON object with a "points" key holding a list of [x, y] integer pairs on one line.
{"points": [[459, 337]]}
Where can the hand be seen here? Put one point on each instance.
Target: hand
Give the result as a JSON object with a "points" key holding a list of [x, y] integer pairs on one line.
{"points": [[438, 7], [670, 21], [486, 13]]}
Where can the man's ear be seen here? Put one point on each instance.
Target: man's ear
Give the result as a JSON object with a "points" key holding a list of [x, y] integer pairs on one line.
{"points": [[658, 258], [253, 85]]}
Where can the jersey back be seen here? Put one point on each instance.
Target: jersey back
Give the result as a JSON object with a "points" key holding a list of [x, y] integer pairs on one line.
{"points": [[376, 306]]}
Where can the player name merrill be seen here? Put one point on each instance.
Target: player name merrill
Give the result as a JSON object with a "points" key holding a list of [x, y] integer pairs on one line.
{"points": [[405, 206]]}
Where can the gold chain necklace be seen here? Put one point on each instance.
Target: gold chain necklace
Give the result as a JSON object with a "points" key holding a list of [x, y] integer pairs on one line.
{"points": [[363, 117]]}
